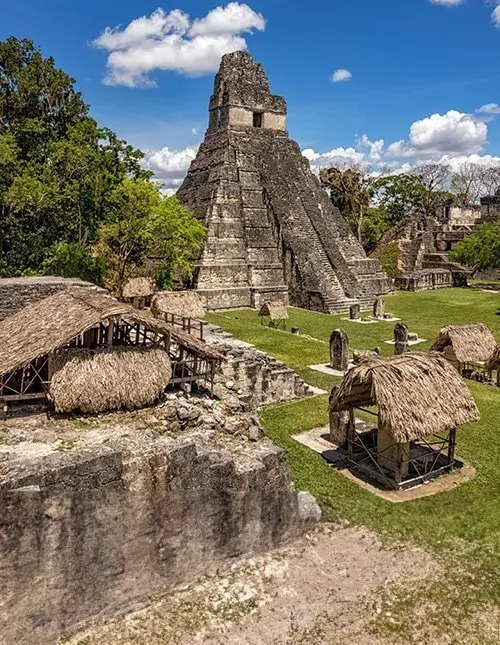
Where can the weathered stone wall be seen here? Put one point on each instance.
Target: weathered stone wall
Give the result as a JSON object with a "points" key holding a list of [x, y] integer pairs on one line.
{"points": [[16, 293], [255, 378], [425, 280], [96, 534]]}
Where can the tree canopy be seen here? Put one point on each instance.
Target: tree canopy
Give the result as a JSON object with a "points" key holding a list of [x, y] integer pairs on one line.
{"points": [[481, 250], [62, 175]]}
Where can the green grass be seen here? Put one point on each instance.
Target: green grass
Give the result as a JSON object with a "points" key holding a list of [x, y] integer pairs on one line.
{"points": [[461, 525]]}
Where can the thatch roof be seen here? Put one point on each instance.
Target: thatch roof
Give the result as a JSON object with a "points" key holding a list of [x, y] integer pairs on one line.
{"points": [[470, 343], [138, 288], [182, 303], [51, 323], [417, 394], [493, 362], [108, 379], [275, 310]]}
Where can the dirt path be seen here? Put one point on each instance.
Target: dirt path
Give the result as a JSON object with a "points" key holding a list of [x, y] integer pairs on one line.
{"points": [[323, 590]]}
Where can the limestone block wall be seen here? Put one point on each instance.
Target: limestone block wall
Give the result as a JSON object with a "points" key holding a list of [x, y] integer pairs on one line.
{"points": [[261, 379], [16, 293], [96, 534]]}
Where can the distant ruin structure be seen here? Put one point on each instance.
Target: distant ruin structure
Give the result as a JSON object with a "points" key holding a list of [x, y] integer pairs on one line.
{"points": [[421, 244], [339, 350], [273, 233]]}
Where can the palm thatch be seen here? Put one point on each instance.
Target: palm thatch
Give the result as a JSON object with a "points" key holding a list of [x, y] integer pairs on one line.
{"points": [[52, 323], [470, 343], [493, 362], [274, 310], [187, 304], [108, 379], [138, 288], [417, 394]]}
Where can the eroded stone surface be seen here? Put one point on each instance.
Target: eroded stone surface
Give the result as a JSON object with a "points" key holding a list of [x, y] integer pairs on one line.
{"points": [[95, 523], [273, 233]]}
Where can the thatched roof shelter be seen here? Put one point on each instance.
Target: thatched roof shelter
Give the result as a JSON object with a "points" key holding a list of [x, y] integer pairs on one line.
{"points": [[108, 379], [274, 310], [138, 288], [417, 395], [51, 323], [186, 304], [468, 343], [493, 362]]}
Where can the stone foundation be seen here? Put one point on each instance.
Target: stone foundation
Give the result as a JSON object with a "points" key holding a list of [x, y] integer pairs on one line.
{"points": [[95, 534], [257, 379], [425, 280]]}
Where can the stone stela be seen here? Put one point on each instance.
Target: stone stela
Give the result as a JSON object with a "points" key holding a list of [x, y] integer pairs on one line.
{"points": [[339, 350], [273, 233], [401, 339], [379, 308]]}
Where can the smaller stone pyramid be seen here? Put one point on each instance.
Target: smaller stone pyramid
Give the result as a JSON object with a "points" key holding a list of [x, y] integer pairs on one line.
{"points": [[273, 233]]}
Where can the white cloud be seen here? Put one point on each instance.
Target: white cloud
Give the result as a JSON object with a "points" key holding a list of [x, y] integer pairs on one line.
{"points": [[365, 153], [489, 108], [448, 3], [170, 166], [235, 18], [453, 133], [172, 41], [341, 75], [495, 16], [194, 131]]}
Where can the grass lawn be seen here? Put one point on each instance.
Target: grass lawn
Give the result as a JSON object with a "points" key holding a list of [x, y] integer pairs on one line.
{"points": [[463, 525]]}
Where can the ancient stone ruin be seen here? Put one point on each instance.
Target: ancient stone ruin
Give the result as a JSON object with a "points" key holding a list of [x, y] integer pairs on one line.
{"points": [[379, 308], [355, 312], [339, 350], [401, 339], [421, 244], [273, 233]]}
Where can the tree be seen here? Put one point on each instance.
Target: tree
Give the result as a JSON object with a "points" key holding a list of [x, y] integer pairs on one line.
{"points": [[350, 191], [467, 183], [57, 167], [399, 195], [147, 232], [436, 179], [481, 250]]}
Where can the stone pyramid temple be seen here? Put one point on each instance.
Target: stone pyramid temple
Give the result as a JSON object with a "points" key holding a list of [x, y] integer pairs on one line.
{"points": [[273, 233]]}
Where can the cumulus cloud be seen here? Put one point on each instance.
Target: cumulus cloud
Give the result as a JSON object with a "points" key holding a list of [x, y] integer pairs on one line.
{"points": [[341, 75], [453, 133], [364, 153], [448, 3], [172, 41], [495, 16], [170, 166]]}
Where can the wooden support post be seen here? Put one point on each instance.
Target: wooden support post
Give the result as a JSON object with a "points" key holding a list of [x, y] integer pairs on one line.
{"points": [[111, 329], [451, 445], [351, 433]]}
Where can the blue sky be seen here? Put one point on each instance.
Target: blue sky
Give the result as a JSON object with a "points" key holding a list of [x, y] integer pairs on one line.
{"points": [[420, 71]]}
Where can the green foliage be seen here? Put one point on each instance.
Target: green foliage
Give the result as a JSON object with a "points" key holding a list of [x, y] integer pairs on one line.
{"points": [[375, 223], [399, 196], [57, 167], [481, 250], [350, 191], [74, 261], [389, 256], [146, 232]]}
